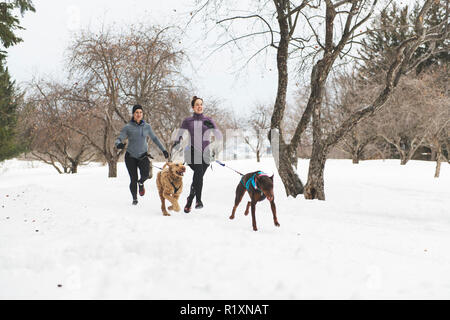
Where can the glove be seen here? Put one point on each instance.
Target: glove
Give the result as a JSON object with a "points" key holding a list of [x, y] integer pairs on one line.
{"points": [[121, 146], [208, 124], [175, 145], [166, 154]]}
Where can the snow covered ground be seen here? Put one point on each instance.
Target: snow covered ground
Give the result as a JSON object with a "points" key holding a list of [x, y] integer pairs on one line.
{"points": [[384, 232]]}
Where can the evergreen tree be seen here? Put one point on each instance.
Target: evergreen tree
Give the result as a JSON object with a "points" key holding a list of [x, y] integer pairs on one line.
{"points": [[8, 117], [393, 26], [435, 17], [9, 22]]}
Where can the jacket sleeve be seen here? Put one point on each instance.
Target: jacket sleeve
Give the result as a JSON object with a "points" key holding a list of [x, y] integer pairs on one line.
{"points": [[123, 135], [155, 138], [217, 132], [181, 131]]}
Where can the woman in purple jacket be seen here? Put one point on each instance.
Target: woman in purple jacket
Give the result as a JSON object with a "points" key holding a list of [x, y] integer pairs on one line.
{"points": [[197, 154]]}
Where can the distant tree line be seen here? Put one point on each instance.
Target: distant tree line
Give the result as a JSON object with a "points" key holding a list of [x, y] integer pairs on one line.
{"points": [[325, 38], [72, 122]]}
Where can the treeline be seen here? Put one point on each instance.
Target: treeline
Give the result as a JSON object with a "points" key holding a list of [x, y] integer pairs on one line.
{"points": [[72, 122], [376, 91], [331, 43], [415, 123]]}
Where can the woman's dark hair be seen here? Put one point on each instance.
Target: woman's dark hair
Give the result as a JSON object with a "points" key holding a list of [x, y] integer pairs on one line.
{"points": [[194, 100]]}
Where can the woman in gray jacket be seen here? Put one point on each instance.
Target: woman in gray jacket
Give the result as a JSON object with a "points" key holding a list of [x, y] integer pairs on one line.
{"points": [[138, 131]]}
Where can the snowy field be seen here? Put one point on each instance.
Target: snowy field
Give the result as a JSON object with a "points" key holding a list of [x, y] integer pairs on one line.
{"points": [[383, 233]]}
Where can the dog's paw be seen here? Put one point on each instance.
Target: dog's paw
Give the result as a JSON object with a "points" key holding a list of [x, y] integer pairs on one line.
{"points": [[255, 229], [277, 224], [246, 213], [232, 218], [166, 214]]}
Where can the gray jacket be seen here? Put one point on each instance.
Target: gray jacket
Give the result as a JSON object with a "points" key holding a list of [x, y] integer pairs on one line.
{"points": [[137, 138]]}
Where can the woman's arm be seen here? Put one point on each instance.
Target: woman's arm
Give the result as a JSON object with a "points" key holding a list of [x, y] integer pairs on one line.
{"points": [[155, 139], [180, 132], [123, 135], [217, 133]]}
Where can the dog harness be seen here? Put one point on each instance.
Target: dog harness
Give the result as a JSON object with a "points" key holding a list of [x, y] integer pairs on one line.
{"points": [[175, 189], [252, 182]]}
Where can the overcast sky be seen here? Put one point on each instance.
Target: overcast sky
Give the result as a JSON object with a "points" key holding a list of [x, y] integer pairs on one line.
{"points": [[49, 30]]}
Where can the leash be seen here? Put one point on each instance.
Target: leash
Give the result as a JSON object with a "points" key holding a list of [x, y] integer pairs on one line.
{"points": [[225, 166]]}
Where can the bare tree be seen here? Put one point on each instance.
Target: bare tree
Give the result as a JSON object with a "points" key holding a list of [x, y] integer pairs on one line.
{"points": [[347, 95], [438, 110], [173, 107], [403, 62], [43, 125], [334, 28], [114, 70], [405, 124], [257, 126]]}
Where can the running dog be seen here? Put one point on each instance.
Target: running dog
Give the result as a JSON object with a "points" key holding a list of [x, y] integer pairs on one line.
{"points": [[170, 185], [259, 187]]}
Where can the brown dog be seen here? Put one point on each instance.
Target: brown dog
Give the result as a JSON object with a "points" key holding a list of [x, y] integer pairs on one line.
{"points": [[170, 185], [259, 187]]}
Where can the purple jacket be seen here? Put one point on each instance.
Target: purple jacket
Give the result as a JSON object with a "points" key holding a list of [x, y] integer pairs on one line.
{"points": [[199, 130]]}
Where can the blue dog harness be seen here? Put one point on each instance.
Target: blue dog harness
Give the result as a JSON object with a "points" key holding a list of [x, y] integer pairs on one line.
{"points": [[252, 182]]}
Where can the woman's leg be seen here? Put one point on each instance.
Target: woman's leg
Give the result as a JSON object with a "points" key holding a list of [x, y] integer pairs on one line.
{"points": [[192, 192], [132, 165], [199, 173], [144, 169]]}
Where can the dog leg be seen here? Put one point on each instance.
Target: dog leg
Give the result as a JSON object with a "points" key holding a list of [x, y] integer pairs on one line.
{"points": [[240, 191], [253, 204], [163, 204], [248, 208], [274, 211], [175, 206]]}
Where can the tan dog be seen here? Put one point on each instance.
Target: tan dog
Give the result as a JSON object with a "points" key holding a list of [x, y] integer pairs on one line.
{"points": [[170, 185]]}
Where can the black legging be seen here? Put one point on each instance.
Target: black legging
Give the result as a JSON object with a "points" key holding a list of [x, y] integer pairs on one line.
{"points": [[197, 182], [132, 165]]}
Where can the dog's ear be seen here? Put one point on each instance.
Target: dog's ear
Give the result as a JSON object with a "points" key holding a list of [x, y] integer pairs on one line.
{"points": [[272, 177]]}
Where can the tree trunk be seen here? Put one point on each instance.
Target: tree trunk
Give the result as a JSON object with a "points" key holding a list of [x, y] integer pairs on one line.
{"points": [[112, 168], [403, 157], [287, 163], [355, 157], [258, 156], [433, 154], [74, 168], [438, 162], [314, 188], [284, 155]]}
